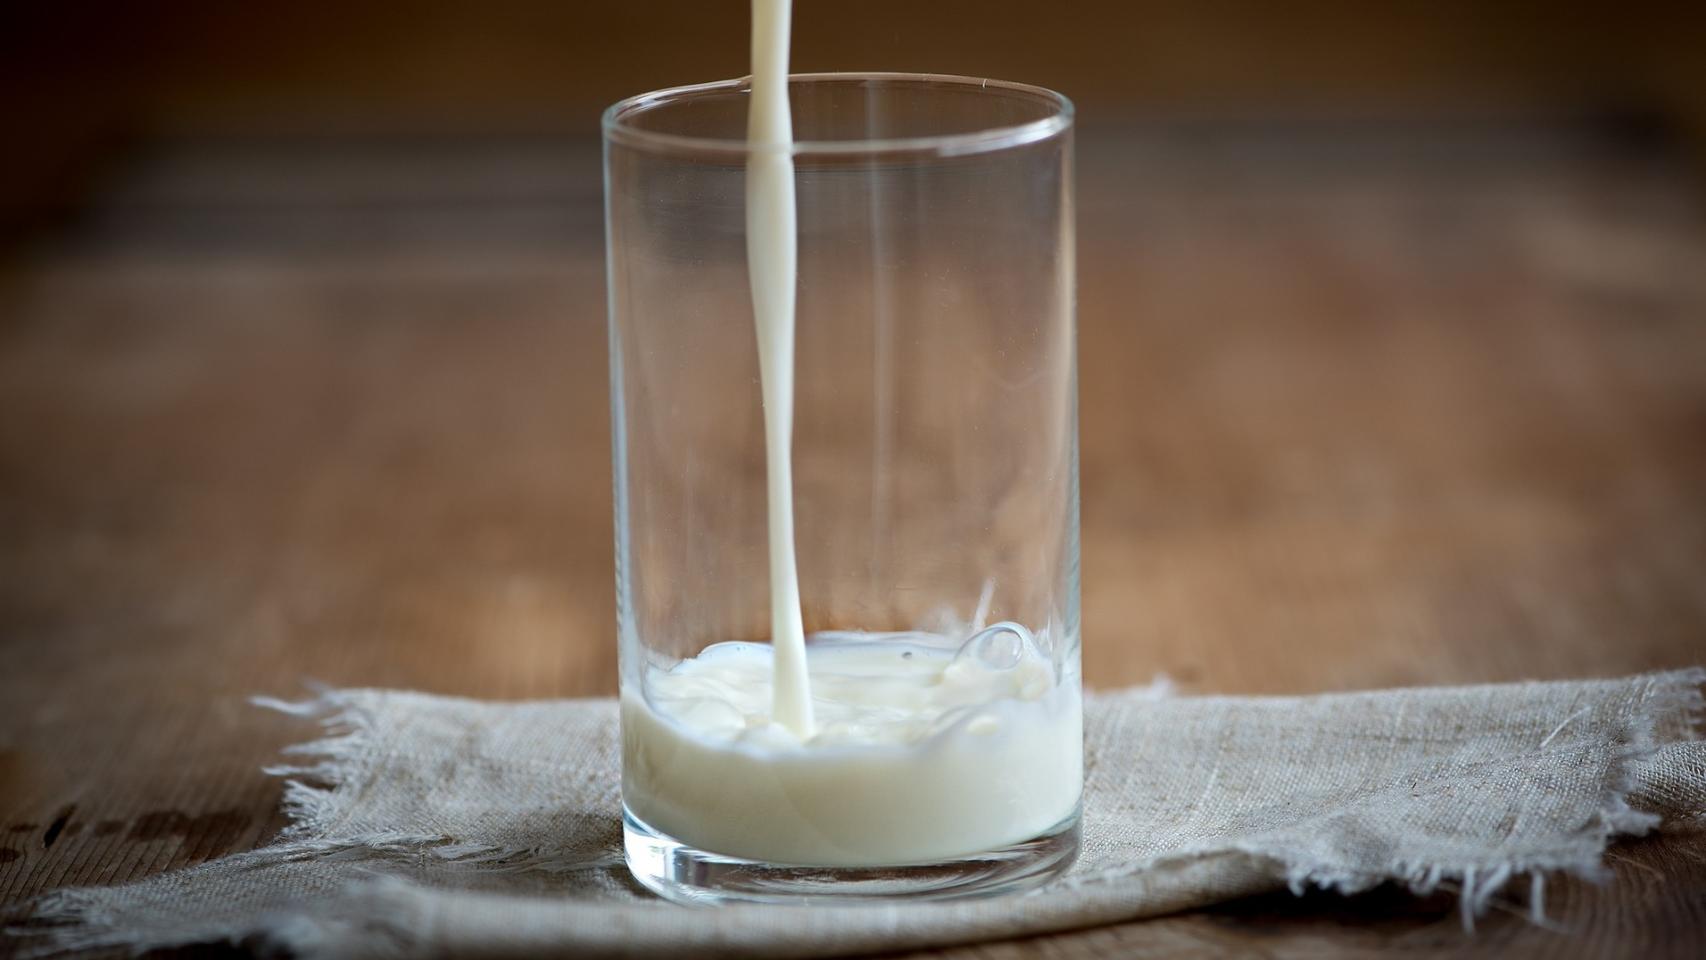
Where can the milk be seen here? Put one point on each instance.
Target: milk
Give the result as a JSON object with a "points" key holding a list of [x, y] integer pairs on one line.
{"points": [[858, 750], [771, 253], [923, 751]]}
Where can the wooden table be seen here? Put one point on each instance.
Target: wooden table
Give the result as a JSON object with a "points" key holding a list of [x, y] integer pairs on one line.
{"points": [[1361, 407]]}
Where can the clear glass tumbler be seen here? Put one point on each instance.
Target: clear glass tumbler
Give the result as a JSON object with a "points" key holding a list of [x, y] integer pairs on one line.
{"points": [[935, 480]]}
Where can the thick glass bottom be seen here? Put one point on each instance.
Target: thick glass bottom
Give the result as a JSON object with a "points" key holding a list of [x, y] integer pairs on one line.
{"points": [[679, 872]]}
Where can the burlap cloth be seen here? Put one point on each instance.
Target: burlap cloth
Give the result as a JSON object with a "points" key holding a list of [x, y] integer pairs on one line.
{"points": [[430, 826]]}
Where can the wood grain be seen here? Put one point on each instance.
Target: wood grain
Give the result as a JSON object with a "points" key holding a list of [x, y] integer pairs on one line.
{"points": [[1359, 408]]}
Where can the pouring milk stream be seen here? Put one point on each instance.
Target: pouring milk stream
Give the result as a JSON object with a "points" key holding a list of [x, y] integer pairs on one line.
{"points": [[772, 253]]}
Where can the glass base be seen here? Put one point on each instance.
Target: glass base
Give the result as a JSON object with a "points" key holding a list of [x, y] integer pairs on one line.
{"points": [[679, 872]]}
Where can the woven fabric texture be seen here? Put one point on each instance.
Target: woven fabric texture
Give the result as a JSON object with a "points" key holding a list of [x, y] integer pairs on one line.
{"points": [[433, 826]]}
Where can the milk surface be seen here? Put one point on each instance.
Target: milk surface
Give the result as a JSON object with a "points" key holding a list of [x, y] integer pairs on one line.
{"points": [[924, 750]]}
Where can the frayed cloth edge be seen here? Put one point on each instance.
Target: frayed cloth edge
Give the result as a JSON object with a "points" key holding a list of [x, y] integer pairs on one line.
{"points": [[78, 918]]}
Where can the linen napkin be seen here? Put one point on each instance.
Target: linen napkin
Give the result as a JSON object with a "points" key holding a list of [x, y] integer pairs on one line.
{"points": [[434, 826]]}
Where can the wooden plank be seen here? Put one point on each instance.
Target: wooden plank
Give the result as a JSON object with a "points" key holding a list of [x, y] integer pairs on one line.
{"points": [[1354, 415]]}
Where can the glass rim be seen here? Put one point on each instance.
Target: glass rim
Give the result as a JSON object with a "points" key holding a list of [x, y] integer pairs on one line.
{"points": [[618, 128]]}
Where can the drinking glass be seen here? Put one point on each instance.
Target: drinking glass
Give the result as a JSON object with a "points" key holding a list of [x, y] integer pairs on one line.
{"points": [[935, 471]]}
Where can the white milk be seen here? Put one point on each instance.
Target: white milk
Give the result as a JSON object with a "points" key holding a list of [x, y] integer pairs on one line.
{"points": [[771, 255], [922, 748], [921, 752]]}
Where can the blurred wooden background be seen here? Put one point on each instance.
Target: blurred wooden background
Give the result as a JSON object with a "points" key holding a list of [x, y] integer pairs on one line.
{"points": [[1393, 360], [83, 80]]}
